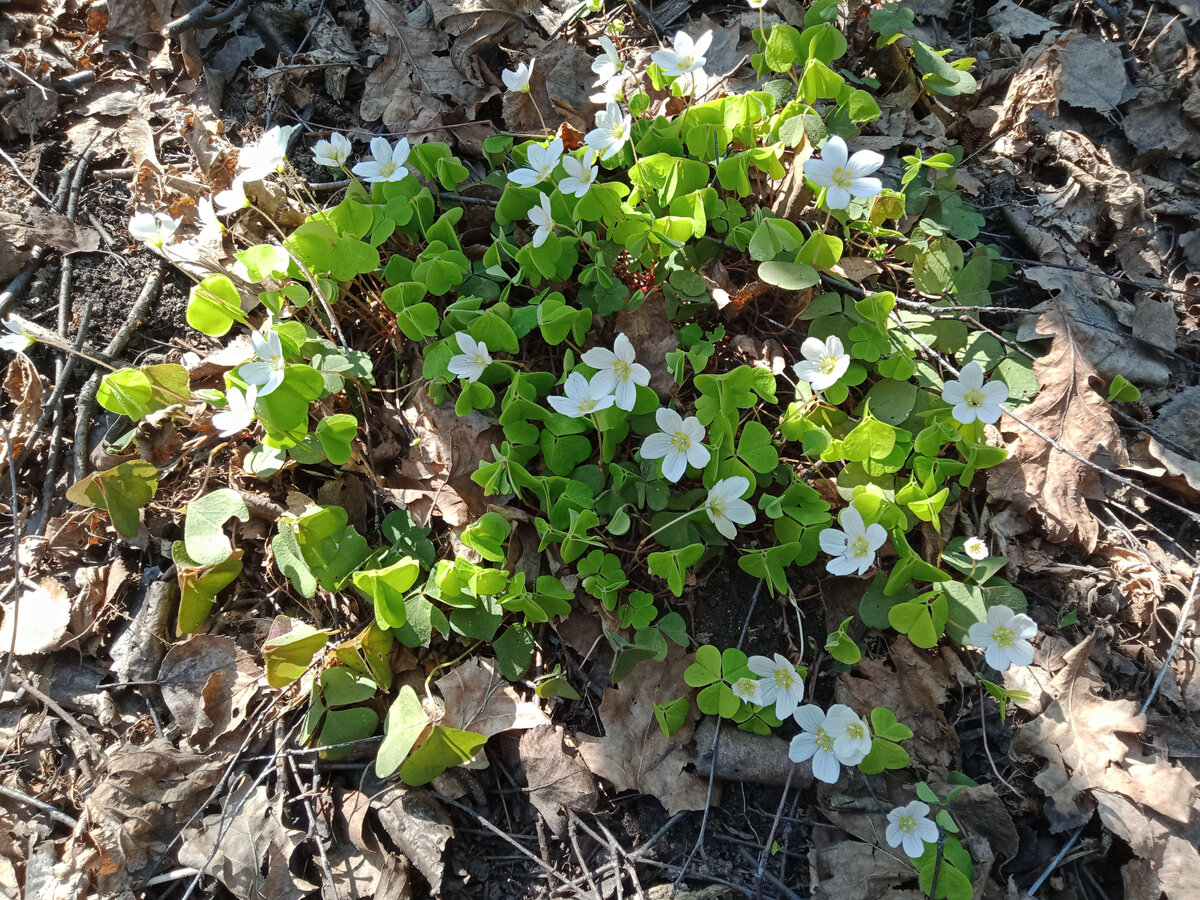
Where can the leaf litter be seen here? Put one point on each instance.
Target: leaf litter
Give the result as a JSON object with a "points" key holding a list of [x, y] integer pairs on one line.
{"points": [[1057, 103]]}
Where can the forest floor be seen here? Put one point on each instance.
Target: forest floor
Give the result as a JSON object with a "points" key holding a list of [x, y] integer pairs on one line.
{"points": [[136, 761]]}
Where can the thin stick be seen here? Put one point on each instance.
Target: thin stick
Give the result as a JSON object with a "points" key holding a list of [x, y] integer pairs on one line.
{"points": [[14, 510], [1058, 857], [1184, 615], [53, 704], [761, 869], [987, 751], [49, 810]]}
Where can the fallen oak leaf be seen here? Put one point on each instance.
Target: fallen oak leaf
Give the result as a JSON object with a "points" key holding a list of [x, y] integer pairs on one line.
{"points": [[478, 699], [1072, 412]]}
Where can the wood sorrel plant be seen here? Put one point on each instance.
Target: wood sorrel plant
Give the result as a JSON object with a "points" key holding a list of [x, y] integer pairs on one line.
{"points": [[632, 491]]}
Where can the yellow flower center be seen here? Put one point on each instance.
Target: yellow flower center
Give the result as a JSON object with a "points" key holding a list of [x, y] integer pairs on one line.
{"points": [[481, 361], [859, 547], [907, 824], [824, 739], [974, 398], [841, 178], [686, 62], [586, 406], [828, 365], [716, 505], [784, 679], [681, 442], [855, 730], [387, 168], [618, 131], [748, 687], [622, 369], [1003, 637]]}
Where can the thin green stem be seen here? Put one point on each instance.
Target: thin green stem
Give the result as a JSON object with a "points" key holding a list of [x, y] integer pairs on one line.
{"points": [[638, 550]]}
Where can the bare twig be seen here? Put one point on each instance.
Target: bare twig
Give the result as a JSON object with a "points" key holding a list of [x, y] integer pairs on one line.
{"points": [[987, 750], [1184, 615], [48, 701], [1058, 857], [14, 509], [761, 869], [49, 810]]}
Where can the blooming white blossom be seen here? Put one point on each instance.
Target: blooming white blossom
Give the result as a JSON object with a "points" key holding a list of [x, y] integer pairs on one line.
{"points": [[237, 416], [613, 129], [608, 63], [232, 198], [542, 163], [830, 739], [617, 371], [19, 340], [1004, 637], [725, 506], [517, 80], [543, 219], [154, 229], [824, 362], [678, 444], [582, 398], [852, 547], [474, 359], [266, 155], [749, 690], [973, 398], [610, 91], [268, 370], [685, 54], [211, 227], [910, 825], [756, 4], [845, 178], [975, 548], [581, 173], [386, 162], [780, 683], [334, 152]]}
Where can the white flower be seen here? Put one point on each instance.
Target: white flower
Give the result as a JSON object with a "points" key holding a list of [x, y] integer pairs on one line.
{"points": [[831, 740], [852, 547], [617, 371], [608, 63], [973, 398], [211, 228], [725, 506], [824, 362], [748, 689], [267, 155], [386, 162], [612, 130], [781, 684], [581, 174], [332, 153], [582, 398], [542, 217], [685, 54], [20, 340], [154, 229], [268, 370], [232, 198], [1004, 637], [844, 178], [677, 445], [517, 80], [542, 162], [469, 364], [238, 415], [910, 825], [756, 4], [975, 548], [612, 90]]}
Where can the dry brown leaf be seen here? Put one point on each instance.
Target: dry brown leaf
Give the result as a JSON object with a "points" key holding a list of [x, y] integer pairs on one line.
{"points": [[1071, 411], [418, 826], [644, 328], [556, 779], [136, 810], [852, 870], [479, 699], [208, 682], [914, 691], [633, 753], [244, 839], [42, 621], [23, 386]]}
